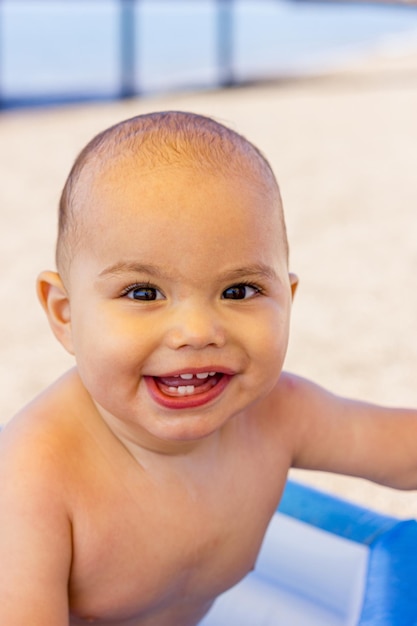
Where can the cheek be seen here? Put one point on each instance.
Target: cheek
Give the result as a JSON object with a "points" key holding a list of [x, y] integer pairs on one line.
{"points": [[266, 339], [110, 371], [108, 348]]}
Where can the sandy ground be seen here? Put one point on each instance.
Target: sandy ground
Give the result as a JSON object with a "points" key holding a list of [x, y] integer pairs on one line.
{"points": [[344, 148]]}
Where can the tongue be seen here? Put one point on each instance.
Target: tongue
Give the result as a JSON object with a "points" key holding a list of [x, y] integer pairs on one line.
{"points": [[175, 381]]}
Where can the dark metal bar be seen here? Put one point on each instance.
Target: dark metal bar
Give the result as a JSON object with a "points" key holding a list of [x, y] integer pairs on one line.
{"points": [[127, 49], [225, 42]]}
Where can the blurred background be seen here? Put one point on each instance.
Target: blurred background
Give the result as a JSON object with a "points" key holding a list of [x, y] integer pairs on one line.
{"points": [[67, 50], [327, 90]]}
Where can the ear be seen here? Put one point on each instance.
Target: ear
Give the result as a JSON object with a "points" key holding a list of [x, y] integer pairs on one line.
{"points": [[293, 283], [55, 302]]}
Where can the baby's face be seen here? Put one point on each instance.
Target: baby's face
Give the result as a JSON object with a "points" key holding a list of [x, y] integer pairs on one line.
{"points": [[180, 300]]}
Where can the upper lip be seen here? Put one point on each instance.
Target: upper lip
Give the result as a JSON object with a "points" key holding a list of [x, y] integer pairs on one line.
{"points": [[197, 370]]}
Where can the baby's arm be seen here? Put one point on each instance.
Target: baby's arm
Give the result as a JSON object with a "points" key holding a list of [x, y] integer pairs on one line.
{"points": [[35, 536], [344, 436]]}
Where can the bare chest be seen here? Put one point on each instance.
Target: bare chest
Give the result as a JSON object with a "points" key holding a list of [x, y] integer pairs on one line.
{"points": [[148, 553]]}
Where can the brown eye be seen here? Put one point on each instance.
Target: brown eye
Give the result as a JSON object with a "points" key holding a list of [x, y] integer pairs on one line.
{"points": [[239, 292], [143, 293]]}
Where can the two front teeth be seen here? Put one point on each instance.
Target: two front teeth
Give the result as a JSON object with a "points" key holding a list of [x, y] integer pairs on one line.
{"points": [[184, 390], [201, 375]]}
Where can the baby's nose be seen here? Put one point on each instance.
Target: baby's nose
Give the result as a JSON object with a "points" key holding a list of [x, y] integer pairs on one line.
{"points": [[196, 327]]}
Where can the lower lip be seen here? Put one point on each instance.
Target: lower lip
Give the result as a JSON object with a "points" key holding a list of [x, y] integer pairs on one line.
{"points": [[186, 402]]}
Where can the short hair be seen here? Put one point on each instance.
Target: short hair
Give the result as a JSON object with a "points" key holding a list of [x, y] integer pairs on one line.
{"points": [[154, 139]]}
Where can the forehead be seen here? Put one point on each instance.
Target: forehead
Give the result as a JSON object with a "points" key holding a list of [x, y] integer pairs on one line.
{"points": [[129, 191], [126, 207]]}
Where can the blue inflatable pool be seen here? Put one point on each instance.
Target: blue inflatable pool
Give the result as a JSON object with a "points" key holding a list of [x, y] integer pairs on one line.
{"points": [[326, 562]]}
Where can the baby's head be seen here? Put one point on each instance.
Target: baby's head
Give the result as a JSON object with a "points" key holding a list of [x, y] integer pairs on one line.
{"points": [[173, 265], [157, 141]]}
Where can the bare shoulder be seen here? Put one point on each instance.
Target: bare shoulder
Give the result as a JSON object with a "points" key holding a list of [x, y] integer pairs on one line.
{"points": [[34, 458], [313, 419], [332, 433], [294, 396], [39, 436], [295, 388], [31, 469], [58, 450], [285, 413], [35, 521]]}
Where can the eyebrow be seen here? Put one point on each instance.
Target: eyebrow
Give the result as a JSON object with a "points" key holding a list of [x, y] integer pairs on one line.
{"points": [[126, 267], [260, 270], [257, 269]]}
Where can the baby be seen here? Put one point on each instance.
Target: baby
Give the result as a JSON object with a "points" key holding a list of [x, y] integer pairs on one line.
{"points": [[139, 486]]}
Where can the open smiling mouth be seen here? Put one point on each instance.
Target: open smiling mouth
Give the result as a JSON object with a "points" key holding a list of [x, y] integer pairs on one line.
{"points": [[187, 389], [187, 384]]}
